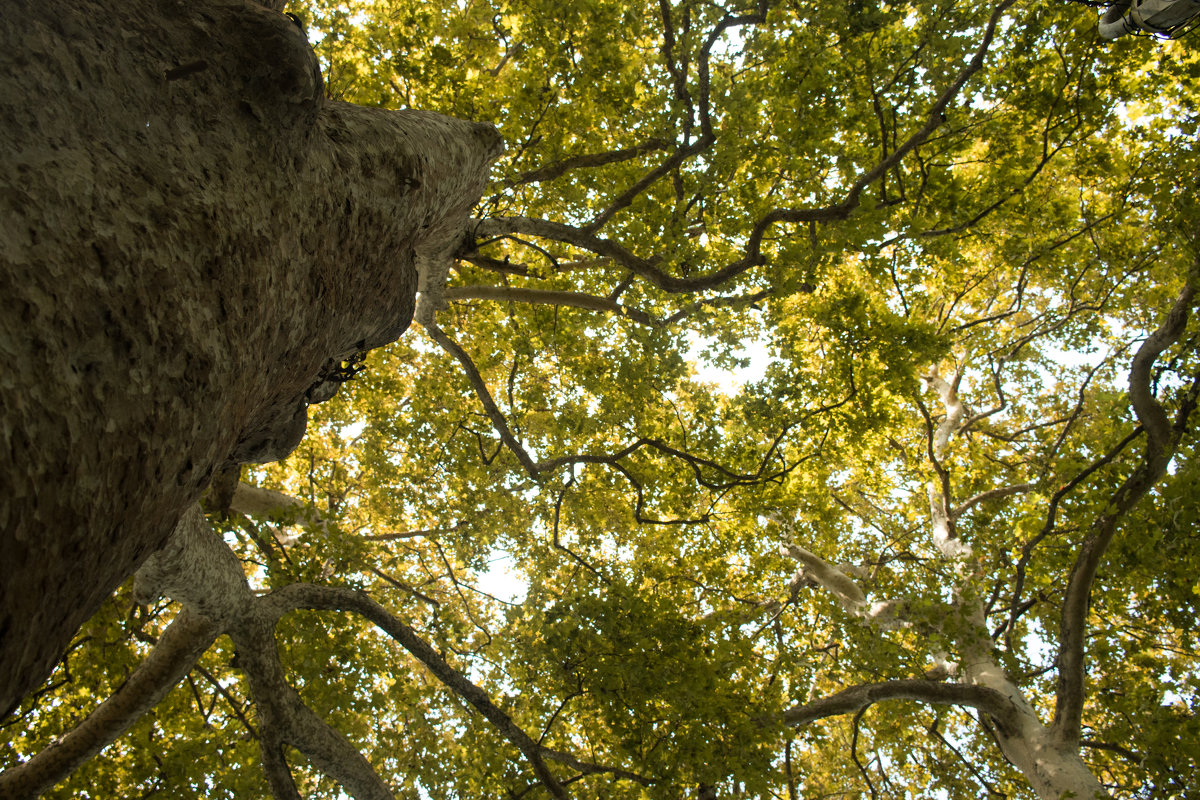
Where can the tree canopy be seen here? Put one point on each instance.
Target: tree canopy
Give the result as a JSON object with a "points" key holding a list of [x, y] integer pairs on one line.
{"points": [[810, 416]]}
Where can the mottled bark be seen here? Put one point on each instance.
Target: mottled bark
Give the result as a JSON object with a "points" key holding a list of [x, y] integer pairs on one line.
{"points": [[190, 237]]}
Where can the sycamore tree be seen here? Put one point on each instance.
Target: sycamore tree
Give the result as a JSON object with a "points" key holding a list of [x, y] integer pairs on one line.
{"points": [[808, 416]]}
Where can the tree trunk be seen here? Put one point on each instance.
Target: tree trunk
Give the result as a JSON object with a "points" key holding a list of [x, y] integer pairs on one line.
{"points": [[1053, 767], [191, 237]]}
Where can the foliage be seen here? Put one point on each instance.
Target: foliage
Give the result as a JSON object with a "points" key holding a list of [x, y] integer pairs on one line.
{"points": [[772, 221]]}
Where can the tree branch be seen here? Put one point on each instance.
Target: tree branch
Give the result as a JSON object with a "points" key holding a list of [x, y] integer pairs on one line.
{"points": [[485, 397], [850, 701], [558, 168], [551, 297], [339, 599], [285, 719], [1162, 438], [991, 494], [177, 650]]}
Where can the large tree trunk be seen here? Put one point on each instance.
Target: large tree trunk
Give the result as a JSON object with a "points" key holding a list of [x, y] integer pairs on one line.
{"points": [[190, 237]]}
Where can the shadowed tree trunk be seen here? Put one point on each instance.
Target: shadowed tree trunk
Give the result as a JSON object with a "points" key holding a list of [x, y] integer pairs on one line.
{"points": [[191, 241]]}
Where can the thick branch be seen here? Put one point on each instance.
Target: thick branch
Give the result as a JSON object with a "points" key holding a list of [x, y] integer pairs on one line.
{"points": [[255, 501], [828, 577], [285, 719], [849, 701], [178, 648], [1161, 441]]}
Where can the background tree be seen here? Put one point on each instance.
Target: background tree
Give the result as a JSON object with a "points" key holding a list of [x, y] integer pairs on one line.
{"points": [[821, 375]]}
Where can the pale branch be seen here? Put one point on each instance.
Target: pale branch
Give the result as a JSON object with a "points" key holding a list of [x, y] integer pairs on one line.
{"points": [[169, 661], [513, 294], [197, 569], [944, 534], [255, 501], [885, 614], [829, 577], [485, 397], [849, 701], [990, 494], [1162, 439]]}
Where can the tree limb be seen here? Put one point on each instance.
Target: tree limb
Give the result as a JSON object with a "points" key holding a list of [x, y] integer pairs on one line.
{"points": [[341, 599], [850, 701], [1162, 438], [178, 648], [548, 297], [485, 397], [990, 494], [558, 168]]}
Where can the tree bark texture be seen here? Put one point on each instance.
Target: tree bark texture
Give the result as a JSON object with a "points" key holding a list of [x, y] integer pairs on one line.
{"points": [[191, 239]]}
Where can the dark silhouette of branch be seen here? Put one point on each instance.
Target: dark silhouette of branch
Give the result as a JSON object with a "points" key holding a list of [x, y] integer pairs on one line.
{"points": [[485, 397], [854, 724], [707, 136], [1162, 436], [514, 294], [647, 268], [331, 598], [558, 168], [1052, 516], [238, 709]]}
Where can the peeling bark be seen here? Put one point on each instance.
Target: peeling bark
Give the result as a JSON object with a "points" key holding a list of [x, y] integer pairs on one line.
{"points": [[190, 235]]}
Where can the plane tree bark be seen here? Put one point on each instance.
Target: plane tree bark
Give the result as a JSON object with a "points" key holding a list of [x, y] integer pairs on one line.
{"points": [[193, 241]]}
